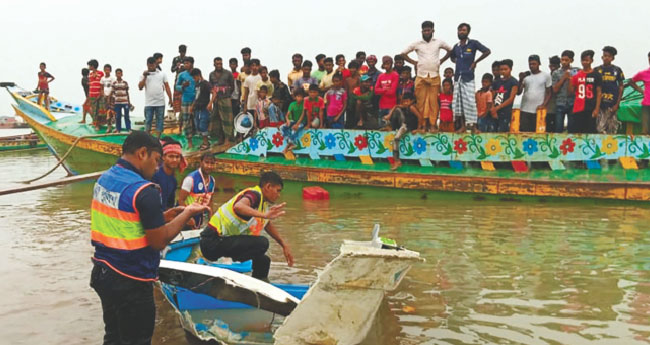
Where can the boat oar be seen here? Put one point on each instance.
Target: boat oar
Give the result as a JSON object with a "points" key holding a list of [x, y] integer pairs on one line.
{"points": [[227, 285], [63, 181]]}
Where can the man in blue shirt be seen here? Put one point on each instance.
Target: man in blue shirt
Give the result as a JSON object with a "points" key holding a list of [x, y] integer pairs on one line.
{"points": [[128, 231], [463, 55], [185, 85], [172, 160]]}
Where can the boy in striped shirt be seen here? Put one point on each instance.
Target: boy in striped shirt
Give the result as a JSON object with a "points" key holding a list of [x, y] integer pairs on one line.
{"points": [[121, 101]]}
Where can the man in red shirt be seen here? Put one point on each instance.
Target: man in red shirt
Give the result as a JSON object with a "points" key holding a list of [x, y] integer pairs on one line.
{"points": [[386, 89], [43, 87], [94, 92], [313, 108], [587, 87]]}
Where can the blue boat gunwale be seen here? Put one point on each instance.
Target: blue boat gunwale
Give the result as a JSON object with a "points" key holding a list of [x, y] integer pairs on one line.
{"points": [[185, 299]]}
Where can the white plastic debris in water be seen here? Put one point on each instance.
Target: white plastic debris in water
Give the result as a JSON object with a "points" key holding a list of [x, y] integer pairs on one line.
{"points": [[341, 307]]}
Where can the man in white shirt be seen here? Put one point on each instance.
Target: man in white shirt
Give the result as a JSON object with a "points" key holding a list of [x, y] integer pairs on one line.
{"points": [[427, 81], [250, 83], [107, 82], [155, 84], [536, 86], [106, 103]]}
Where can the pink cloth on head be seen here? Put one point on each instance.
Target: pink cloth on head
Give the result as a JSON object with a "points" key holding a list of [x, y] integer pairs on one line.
{"points": [[176, 148]]}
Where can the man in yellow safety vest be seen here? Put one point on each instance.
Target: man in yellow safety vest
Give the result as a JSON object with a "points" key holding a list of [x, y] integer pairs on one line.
{"points": [[234, 230]]}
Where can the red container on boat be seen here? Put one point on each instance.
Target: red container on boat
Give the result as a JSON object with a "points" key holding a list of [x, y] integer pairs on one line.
{"points": [[315, 193]]}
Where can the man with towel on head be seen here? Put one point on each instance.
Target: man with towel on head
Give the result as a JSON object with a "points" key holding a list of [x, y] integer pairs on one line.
{"points": [[165, 177]]}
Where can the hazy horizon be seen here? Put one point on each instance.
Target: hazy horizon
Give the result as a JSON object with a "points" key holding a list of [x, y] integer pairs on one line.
{"points": [[124, 34]]}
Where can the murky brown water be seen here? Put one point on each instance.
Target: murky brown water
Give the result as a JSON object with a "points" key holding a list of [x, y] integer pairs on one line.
{"points": [[497, 272]]}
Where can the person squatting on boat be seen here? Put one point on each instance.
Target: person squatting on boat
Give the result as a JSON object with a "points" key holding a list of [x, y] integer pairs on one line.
{"points": [[234, 230], [128, 231]]}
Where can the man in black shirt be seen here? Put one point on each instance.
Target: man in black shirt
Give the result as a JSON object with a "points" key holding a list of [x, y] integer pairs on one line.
{"points": [[280, 90], [222, 82], [202, 106], [177, 68], [612, 92], [85, 84]]}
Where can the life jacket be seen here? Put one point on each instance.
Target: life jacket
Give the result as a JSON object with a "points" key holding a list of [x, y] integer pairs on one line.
{"points": [[227, 223], [201, 192], [116, 231]]}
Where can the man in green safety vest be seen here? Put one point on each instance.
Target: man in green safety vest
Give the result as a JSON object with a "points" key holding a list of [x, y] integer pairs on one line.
{"points": [[234, 230]]}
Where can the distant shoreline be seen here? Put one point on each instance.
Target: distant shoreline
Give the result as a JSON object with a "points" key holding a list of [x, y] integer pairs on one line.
{"points": [[14, 125]]}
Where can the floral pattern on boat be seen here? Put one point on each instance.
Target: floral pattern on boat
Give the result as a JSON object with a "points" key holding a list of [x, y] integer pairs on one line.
{"points": [[495, 147]]}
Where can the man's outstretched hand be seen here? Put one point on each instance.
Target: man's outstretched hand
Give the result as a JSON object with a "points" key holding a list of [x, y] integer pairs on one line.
{"points": [[287, 255], [275, 211]]}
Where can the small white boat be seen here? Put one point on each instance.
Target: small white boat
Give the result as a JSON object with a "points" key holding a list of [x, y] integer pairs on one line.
{"points": [[219, 302]]}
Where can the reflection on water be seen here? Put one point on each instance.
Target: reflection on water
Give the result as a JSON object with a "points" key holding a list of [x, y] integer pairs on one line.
{"points": [[527, 272]]}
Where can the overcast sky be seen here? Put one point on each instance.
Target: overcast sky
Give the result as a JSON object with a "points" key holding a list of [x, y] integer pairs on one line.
{"points": [[65, 34]]}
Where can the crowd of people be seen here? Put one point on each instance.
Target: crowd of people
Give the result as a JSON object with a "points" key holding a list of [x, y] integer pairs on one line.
{"points": [[333, 93], [130, 225]]}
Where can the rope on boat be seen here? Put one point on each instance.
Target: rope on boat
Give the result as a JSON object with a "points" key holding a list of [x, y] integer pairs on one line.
{"points": [[63, 158]]}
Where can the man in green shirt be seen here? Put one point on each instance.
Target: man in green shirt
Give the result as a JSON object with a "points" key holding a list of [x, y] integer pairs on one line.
{"points": [[296, 120], [362, 99], [320, 72]]}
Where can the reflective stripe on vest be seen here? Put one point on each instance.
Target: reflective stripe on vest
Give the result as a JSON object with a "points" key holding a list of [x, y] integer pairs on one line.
{"points": [[114, 221], [228, 223]]}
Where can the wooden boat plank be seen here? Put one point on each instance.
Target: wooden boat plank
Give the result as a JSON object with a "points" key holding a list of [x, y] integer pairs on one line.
{"points": [[638, 193], [487, 185], [516, 187]]}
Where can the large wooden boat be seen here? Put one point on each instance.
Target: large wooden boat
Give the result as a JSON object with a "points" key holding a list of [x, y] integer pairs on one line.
{"points": [[531, 164], [91, 150]]}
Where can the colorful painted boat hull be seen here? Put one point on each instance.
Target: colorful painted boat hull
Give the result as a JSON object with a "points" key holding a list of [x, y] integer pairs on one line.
{"points": [[539, 165], [86, 157]]}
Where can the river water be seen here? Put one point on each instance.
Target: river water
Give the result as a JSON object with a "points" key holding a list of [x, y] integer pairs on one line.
{"points": [[497, 272]]}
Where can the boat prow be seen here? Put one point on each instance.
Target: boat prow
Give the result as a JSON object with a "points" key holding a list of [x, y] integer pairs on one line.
{"points": [[26, 102], [90, 149]]}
